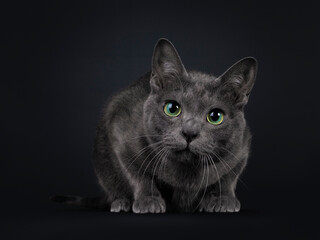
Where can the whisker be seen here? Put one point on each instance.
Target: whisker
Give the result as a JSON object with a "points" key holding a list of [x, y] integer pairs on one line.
{"points": [[139, 153], [153, 150], [229, 152], [202, 170], [152, 159], [142, 136], [163, 164], [224, 163], [158, 160], [205, 190], [215, 167]]}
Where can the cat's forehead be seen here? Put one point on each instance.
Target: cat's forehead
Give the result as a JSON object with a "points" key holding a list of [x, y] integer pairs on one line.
{"points": [[201, 82], [200, 87], [199, 77]]}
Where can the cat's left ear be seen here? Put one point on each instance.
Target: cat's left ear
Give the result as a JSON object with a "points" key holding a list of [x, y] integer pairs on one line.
{"points": [[237, 82], [167, 67]]}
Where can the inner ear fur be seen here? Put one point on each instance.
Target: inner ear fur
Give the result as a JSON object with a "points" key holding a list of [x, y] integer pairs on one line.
{"points": [[167, 67], [237, 82]]}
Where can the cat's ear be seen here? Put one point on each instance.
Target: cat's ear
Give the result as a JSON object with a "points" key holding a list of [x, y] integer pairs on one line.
{"points": [[237, 82], [167, 67]]}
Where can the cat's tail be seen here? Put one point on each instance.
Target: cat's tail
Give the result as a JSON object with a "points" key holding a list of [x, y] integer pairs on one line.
{"points": [[87, 202]]}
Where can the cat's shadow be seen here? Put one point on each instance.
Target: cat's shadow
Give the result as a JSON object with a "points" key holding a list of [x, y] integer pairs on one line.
{"points": [[244, 212]]}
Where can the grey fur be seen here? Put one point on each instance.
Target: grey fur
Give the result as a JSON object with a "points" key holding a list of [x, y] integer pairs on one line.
{"points": [[145, 160], [138, 149]]}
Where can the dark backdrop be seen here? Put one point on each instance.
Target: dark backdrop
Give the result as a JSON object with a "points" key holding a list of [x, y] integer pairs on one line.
{"points": [[62, 60]]}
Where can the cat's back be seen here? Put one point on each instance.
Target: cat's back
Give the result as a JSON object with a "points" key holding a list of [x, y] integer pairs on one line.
{"points": [[127, 104], [121, 118]]}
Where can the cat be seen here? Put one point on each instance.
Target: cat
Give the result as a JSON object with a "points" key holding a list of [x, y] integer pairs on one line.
{"points": [[173, 138]]}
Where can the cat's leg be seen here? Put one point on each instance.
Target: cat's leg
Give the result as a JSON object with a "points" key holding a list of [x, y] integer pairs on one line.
{"points": [[147, 198], [113, 182], [139, 177], [118, 194], [223, 200], [221, 196], [128, 181], [144, 192], [115, 185], [120, 204]]}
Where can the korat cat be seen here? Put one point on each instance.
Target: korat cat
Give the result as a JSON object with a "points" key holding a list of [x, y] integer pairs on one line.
{"points": [[173, 138]]}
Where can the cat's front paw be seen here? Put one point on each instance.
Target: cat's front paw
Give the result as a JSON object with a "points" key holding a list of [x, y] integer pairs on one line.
{"points": [[120, 205], [220, 204], [149, 204]]}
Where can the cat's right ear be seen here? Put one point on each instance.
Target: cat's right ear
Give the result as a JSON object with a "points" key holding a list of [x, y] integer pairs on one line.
{"points": [[167, 67], [237, 82]]}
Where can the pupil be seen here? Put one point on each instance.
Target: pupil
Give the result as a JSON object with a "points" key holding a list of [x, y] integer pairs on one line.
{"points": [[215, 115], [172, 107]]}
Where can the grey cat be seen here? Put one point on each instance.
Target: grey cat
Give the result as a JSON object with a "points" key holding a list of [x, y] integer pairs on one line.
{"points": [[173, 138]]}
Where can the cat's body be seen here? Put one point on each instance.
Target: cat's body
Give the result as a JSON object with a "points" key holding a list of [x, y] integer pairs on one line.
{"points": [[147, 156]]}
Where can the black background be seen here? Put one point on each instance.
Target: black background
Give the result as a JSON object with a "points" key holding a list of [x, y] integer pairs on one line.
{"points": [[63, 60]]}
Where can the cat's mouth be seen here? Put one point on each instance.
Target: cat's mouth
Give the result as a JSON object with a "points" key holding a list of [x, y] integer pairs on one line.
{"points": [[185, 153]]}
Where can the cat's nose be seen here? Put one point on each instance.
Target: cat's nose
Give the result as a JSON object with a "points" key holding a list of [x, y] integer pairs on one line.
{"points": [[189, 136], [190, 130]]}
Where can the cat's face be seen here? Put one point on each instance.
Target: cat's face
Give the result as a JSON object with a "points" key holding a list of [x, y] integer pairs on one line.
{"points": [[190, 114], [193, 120]]}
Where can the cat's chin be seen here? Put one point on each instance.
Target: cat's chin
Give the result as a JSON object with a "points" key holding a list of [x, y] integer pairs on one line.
{"points": [[184, 155]]}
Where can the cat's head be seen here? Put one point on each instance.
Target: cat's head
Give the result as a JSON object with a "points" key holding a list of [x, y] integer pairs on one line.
{"points": [[189, 113]]}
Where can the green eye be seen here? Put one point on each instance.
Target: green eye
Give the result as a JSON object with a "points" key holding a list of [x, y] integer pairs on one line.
{"points": [[172, 109], [215, 116]]}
